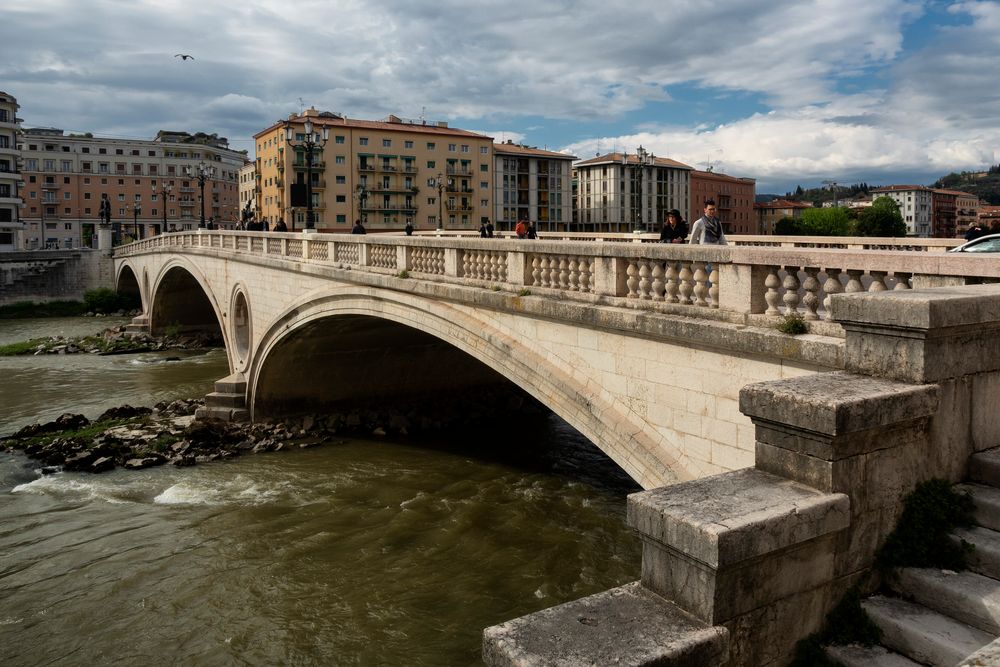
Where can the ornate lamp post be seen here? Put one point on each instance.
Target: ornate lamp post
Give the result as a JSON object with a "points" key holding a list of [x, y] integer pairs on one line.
{"points": [[310, 143], [361, 194], [136, 210], [203, 172], [440, 186], [164, 193]]}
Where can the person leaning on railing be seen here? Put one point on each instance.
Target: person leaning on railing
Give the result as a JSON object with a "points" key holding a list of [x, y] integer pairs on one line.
{"points": [[674, 230]]}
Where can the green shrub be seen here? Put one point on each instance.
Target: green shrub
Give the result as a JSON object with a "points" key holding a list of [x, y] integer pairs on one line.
{"points": [[403, 274], [793, 324], [172, 330], [921, 539], [24, 347], [104, 300], [847, 623], [48, 309], [524, 292]]}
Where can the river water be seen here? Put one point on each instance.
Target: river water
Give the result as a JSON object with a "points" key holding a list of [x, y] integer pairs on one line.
{"points": [[364, 552]]}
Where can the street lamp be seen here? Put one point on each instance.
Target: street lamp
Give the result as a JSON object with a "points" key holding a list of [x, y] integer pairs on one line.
{"points": [[362, 196], [643, 159], [203, 172], [136, 210], [440, 187], [164, 193], [311, 142]]}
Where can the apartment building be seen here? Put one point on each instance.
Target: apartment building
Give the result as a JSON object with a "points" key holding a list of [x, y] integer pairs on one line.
{"points": [[618, 192], [944, 213], [152, 184], [966, 212], [532, 184], [11, 227], [385, 173], [769, 213], [915, 205], [733, 196]]}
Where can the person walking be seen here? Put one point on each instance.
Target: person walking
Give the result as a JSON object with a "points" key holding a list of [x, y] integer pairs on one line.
{"points": [[674, 230], [521, 229], [280, 226], [482, 230], [408, 228], [707, 229], [531, 230], [358, 228], [489, 229]]}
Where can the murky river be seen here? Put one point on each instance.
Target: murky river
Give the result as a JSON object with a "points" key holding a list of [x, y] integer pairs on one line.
{"points": [[359, 553]]}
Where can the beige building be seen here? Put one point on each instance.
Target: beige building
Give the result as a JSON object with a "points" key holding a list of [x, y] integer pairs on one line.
{"points": [[733, 196], [147, 182], [382, 172], [532, 184], [11, 227], [618, 192], [966, 212], [769, 213]]}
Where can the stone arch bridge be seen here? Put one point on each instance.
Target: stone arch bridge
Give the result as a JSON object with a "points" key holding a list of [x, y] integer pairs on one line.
{"points": [[641, 347]]}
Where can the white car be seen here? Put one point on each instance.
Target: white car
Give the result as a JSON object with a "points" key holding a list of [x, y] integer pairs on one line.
{"points": [[988, 243]]}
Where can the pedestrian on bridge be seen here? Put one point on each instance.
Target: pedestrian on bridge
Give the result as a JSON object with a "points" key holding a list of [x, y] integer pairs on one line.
{"points": [[707, 229], [674, 230], [358, 228], [520, 229], [280, 226]]}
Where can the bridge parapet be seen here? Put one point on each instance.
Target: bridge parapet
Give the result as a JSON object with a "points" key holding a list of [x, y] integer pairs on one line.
{"points": [[749, 285]]}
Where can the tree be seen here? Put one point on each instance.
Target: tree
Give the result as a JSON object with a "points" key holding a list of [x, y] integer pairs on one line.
{"points": [[786, 227], [825, 222], [882, 218]]}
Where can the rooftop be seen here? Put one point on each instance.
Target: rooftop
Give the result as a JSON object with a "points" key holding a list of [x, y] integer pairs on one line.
{"points": [[624, 158], [510, 148], [390, 124]]}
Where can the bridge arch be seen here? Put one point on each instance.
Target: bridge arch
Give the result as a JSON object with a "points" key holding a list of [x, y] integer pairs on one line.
{"points": [[567, 391], [127, 283], [181, 297]]}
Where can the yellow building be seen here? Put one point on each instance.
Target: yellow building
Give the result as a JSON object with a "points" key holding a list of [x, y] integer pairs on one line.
{"points": [[384, 173]]}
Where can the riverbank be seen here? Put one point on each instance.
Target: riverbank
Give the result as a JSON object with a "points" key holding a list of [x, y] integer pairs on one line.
{"points": [[115, 340], [168, 434]]}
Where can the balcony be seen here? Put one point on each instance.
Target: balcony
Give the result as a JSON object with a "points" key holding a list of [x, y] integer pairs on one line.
{"points": [[456, 171], [409, 169], [366, 167], [316, 165], [51, 186], [186, 203], [386, 167], [186, 190]]}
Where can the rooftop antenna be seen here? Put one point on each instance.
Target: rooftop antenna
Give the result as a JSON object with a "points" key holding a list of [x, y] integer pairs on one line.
{"points": [[423, 115], [302, 106], [598, 154]]}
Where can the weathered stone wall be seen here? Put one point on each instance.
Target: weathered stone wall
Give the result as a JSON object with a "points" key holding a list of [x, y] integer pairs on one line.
{"points": [[42, 276], [658, 393]]}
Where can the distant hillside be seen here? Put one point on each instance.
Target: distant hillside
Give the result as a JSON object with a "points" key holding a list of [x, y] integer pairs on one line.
{"points": [[819, 195], [984, 184]]}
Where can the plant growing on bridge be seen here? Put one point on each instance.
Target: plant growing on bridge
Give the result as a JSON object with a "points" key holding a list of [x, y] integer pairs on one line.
{"points": [[793, 324], [403, 274], [524, 292], [172, 330], [847, 623]]}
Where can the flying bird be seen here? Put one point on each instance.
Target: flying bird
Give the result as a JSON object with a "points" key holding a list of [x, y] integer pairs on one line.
{"points": [[183, 56]]}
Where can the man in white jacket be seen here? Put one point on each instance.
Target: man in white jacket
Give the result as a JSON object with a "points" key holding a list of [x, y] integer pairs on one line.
{"points": [[707, 229]]}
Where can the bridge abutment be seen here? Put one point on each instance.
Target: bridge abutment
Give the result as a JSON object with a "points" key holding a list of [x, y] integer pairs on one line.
{"points": [[761, 555]]}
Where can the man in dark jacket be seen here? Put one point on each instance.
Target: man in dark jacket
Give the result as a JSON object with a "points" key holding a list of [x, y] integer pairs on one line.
{"points": [[674, 230], [358, 228]]}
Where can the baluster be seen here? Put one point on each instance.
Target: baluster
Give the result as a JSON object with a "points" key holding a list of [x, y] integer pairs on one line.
{"points": [[854, 281], [791, 285], [563, 273], [878, 281], [644, 281], [772, 297], [467, 259], [686, 287], [671, 287], [902, 280], [700, 284], [657, 281], [632, 282], [584, 274], [811, 298], [831, 286], [574, 276], [536, 271], [713, 291]]}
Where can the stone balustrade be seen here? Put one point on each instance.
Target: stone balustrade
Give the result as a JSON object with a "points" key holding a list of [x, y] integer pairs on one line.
{"points": [[749, 285]]}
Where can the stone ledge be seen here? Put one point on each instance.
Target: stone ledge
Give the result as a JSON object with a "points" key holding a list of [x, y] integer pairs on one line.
{"points": [[940, 308], [838, 403], [626, 626], [736, 516]]}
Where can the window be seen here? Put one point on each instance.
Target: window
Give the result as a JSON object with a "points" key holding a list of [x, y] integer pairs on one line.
{"points": [[431, 164], [50, 165], [341, 199], [340, 159], [363, 141], [119, 151], [387, 143], [152, 153], [341, 218], [102, 151], [135, 151], [431, 146], [484, 150], [338, 139], [66, 195], [452, 147], [484, 185], [408, 144], [465, 148], [341, 180], [67, 165], [484, 167]]}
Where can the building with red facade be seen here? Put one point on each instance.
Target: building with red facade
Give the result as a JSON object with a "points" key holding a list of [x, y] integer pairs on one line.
{"points": [[733, 196]]}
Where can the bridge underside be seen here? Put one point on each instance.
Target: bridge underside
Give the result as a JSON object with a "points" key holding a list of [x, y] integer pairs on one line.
{"points": [[181, 302], [361, 360]]}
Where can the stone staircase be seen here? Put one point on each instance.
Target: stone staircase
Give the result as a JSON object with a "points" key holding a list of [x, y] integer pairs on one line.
{"points": [[938, 617], [227, 402]]}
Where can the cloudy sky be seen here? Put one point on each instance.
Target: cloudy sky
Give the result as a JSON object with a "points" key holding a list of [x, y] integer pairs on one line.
{"points": [[786, 91]]}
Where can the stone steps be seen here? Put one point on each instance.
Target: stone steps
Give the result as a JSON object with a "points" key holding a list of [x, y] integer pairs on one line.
{"points": [[921, 634], [942, 617], [227, 402]]}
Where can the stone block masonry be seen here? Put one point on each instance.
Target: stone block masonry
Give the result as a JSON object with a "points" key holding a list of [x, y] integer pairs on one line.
{"points": [[53, 275]]}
